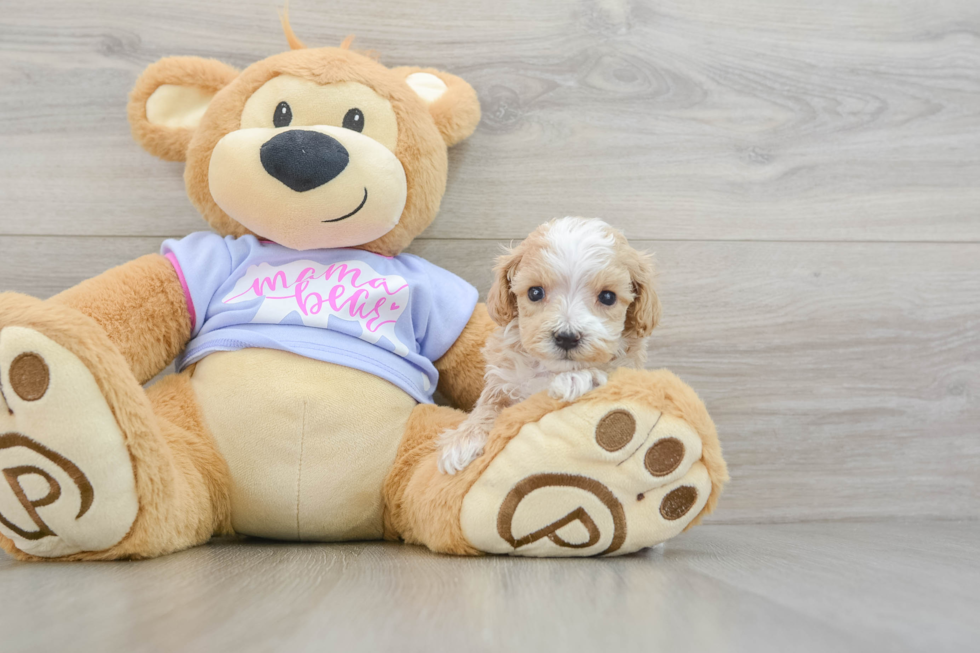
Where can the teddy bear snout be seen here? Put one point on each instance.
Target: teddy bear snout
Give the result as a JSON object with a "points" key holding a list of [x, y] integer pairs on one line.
{"points": [[303, 159]]}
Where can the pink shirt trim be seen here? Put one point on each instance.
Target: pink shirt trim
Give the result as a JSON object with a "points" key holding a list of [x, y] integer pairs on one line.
{"points": [[183, 284]]}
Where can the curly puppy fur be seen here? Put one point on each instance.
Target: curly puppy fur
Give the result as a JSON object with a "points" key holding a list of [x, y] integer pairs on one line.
{"points": [[573, 302]]}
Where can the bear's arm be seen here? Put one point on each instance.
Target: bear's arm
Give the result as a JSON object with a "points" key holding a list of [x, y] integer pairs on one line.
{"points": [[461, 368], [142, 308]]}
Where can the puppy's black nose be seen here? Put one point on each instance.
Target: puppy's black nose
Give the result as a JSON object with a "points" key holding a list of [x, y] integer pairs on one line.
{"points": [[303, 160], [567, 340]]}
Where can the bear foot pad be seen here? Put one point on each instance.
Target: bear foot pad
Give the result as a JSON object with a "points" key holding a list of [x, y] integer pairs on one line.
{"points": [[591, 479], [68, 483]]}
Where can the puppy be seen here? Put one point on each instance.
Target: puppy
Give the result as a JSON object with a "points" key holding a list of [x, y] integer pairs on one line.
{"points": [[572, 302]]}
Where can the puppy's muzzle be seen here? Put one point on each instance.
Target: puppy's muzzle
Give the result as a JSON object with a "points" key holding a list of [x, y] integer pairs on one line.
{"points": [[567, 340], [303, 159]]}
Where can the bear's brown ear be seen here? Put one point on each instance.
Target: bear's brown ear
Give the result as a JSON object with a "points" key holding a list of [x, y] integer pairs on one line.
{"points": [[169, 99], [452, 102]]}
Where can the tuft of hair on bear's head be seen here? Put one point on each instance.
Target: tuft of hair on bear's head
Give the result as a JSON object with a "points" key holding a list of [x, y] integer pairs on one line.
{"points": [[296, 44], [291, 38]]}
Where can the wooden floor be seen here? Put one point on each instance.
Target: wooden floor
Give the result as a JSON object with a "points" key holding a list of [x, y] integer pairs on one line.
{"points": [[808, 176], [912, 586]]}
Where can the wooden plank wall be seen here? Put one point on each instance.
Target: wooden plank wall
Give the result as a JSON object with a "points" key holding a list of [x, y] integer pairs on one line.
{"points": [[807, 175]]}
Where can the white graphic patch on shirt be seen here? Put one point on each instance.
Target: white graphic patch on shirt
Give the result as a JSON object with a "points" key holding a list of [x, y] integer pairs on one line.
{"points": [[350, 290]]}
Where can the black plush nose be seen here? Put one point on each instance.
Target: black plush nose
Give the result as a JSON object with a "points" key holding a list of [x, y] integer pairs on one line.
{"points": [[567, 340], [303, 160]]}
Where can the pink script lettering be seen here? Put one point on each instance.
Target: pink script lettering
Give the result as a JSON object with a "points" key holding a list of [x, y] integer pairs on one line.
{"points": [[351, 290]]}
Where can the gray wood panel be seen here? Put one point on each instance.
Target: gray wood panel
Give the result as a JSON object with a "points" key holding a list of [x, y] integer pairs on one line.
{"points": [[807, 176], [842, 376], [761, 119], [795, 587]]}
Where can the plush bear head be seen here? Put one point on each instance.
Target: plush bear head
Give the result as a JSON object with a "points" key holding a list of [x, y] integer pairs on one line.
{"points": [[311, 148]]}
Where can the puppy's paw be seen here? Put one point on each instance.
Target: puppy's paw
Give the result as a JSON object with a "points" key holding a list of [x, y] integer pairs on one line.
{"points": [[569, 386], [460, 446]]}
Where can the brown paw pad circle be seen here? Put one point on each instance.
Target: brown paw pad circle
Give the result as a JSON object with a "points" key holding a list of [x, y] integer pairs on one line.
{"points": [[29, 376], [664, 456], [615, 430], [678, 502]]}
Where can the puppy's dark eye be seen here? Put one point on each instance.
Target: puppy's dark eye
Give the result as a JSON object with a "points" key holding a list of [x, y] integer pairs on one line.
{"points": [[354, 120], [607, 297], [283, 115], [535, 293]]}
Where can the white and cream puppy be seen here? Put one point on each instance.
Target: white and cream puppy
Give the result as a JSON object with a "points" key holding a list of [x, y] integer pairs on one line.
{"points": [[572, 303]]}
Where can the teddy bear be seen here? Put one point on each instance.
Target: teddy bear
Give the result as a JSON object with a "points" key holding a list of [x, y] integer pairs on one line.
{"points": [[308, 348]]}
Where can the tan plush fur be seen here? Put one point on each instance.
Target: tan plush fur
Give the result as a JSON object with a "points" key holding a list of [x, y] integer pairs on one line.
{"points": [[416, 509], [178, 473], [170, 144], [663, 390], [291, 38], [461, 368], [424, 505], [457, 112], [142, 308], [198, 461]]}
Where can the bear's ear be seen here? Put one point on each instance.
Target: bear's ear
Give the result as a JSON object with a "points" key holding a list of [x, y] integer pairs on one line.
{"points": [[169, 99], [452, 102]]}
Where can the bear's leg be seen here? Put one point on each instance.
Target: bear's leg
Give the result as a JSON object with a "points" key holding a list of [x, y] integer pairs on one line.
{"points": [[94, 467], [627, 466], [421, 503]]}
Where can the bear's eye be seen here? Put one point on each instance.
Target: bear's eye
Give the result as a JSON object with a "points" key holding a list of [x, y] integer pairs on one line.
{"points": [[354, 120], [535, 293], [607, 297], [283, 115]]}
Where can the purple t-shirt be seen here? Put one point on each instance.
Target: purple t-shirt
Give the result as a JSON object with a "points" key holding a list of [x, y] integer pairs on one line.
{"points": [[391, 317]]}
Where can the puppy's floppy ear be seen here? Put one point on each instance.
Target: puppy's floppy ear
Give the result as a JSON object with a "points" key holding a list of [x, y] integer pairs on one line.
{"points": [[501, 302], [169, 99], [643, 314], [452, 103]]}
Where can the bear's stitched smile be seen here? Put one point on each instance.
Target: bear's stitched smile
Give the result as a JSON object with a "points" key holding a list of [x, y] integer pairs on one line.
{"points": [[359, 207]]}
